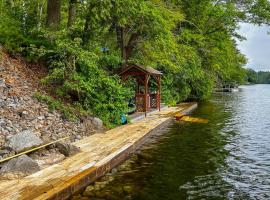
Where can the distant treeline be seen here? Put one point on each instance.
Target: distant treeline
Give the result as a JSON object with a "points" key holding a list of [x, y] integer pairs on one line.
{"points": [[260, 77]]}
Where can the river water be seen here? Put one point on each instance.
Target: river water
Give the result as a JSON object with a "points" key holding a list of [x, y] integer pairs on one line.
{"points": [[228, 158]]}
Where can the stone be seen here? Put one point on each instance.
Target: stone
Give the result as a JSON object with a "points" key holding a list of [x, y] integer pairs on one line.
{"points": [[4, 152], [48, 160], [41, 117], [2, 85], [89, 191], [2, 69], [79, 197], [127, 189], [97, 124], [100, 185], [67, 149], [114, 170], [12, 105], [2, 121], [23, 164], [23, 113], [78, 137], [23, 141]]}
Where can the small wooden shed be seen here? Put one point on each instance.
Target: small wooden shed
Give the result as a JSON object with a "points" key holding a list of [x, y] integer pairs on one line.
{"points": [[144, 97]]}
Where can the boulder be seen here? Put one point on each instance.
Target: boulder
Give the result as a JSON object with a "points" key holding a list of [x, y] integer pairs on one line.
{"points": [[21, 165], [97, 124], [23, 141], [67, 149]]}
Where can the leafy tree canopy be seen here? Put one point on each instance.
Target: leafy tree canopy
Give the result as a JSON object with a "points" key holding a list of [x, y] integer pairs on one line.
{"points": [[85, 42]]}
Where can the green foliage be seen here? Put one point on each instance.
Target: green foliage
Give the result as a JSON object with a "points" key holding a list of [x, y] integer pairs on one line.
{"points": [[69, 112], [191, 41], [11, 35], [76, 77]]}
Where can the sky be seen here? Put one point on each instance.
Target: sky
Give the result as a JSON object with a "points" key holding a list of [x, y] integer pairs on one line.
{"points": [[256, 47]]}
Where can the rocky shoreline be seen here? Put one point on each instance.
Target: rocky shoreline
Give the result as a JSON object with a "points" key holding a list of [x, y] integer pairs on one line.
{"points": [[26, 123]]}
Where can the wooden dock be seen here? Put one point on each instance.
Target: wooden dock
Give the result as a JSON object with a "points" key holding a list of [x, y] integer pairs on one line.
{"points": [[99, 154]]}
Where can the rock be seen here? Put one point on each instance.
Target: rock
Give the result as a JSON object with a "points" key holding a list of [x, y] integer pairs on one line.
{"points": [[114, 171], [48, 160], [23, 141], [41, 117], [23, 165], [23, 114], [4, 152], [2, 69], [86, 124], [67, 149], [2, 140], [2, 121], [100, 185], [2, 103], [97, 124], [2, 85], [89, 191], [11, 153], [78, 137], [79, 197], [127, 189], [102, 195], [13, 105]]}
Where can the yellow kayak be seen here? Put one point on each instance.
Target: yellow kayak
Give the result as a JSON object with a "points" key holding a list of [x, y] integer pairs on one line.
{"points": [[182, 117]]}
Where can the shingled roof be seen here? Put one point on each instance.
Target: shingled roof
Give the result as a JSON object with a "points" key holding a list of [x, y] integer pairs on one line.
{"points": [[147, 70]]}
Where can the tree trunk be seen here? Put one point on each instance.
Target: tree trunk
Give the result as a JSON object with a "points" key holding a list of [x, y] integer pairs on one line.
{"points": [[87, 25], [86, 31], [120, 40], [71, 12], [132, 43], [39, 15], [53, 13]]}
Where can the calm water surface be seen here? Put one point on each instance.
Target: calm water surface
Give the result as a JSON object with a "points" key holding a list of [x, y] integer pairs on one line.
{"points": [[228, 158]]}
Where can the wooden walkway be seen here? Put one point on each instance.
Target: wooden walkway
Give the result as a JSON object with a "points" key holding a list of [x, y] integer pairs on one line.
{"points": [[99, 154]]}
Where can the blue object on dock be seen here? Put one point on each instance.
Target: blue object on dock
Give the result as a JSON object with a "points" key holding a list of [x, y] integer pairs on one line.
{"points": [[123, 119]]}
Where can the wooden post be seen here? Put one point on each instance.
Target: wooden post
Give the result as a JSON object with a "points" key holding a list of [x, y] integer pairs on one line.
{"points": [[138, 86], [159, 93], [145, 93]]}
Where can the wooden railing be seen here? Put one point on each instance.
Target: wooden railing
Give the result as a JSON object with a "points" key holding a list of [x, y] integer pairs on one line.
{"points": [[140, 102], [153, 101]]}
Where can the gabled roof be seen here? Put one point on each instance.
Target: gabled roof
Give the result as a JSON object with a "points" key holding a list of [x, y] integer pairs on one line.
{"points": [[146, 70]]}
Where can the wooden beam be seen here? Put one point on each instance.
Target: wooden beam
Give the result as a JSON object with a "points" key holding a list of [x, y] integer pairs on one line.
{"points": [[146, 79], [159, 93], [133, 74], [140, 79]]}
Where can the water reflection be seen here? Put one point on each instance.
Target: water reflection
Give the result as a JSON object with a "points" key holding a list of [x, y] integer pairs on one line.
{"points": [[228, 158]]}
